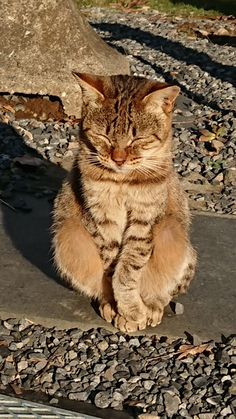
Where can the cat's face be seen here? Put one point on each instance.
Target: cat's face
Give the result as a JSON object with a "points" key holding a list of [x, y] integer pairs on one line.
{"points": [[126, 122]]}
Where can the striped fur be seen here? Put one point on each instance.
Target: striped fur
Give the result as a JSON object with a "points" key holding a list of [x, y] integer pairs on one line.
{"points": [[122, 201]]}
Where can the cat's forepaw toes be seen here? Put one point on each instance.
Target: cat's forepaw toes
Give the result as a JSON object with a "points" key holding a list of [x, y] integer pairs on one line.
{"points": [[136, 313], [128, 326], [155, 317], [107, 312]]}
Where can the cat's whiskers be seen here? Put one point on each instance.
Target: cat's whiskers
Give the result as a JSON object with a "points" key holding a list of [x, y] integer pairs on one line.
{"points": [[156, 167], [149, 168], [159, 156], [156, 162]]}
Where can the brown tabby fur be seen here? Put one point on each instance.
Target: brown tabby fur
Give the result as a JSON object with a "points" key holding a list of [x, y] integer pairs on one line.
{"points": [[121, 219]]}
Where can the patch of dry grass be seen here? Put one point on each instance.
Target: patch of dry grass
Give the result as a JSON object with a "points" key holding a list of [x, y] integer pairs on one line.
{"points": [[210, 8]]}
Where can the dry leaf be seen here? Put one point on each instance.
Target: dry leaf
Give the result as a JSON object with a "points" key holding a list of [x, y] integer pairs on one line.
{"points": [[205, 132], [206, 136], [17, 390], [202, 32], [187, 350], [222, 32], [27, 160], [7, 108], [129, 6], [4, 119]]}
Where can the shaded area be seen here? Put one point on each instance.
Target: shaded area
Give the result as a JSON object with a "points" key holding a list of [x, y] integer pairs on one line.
{"points": [[28, 279], [222, 40], [227, 7], [24, 187]]}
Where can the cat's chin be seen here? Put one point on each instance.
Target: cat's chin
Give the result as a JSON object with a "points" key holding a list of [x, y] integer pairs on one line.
{"points": [[122, 170]]}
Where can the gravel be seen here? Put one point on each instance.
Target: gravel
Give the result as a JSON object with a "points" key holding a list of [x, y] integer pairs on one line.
{"points": [[119, 371]]}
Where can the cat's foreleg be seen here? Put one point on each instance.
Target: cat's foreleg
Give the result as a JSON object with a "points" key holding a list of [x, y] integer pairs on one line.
{"points": [[170, 268], [137, 248], [77, 259]]}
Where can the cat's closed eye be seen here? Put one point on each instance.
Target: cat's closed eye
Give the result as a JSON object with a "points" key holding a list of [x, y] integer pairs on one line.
{"points": [[98, 136], [105, 138], [145, 142]]}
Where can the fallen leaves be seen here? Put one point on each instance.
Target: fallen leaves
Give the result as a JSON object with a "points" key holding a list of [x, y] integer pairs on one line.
{"points": [[206, 136], [186, 350], [7, 108], [130, 6], [213, 139], [224, 34], [34, 107], [190, 350], [17, 390]]}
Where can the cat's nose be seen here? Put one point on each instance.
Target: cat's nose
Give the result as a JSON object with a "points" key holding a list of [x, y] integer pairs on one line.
{"points": [[119, 156]]}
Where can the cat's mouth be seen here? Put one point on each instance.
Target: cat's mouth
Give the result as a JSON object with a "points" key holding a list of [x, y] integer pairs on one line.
{"points": [[123, 168]]}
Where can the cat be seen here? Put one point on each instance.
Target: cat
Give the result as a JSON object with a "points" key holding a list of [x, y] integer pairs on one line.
{"points": [[121, 220]]}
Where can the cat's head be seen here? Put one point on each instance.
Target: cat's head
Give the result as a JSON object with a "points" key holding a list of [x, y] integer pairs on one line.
{"points": [[126, 122]]}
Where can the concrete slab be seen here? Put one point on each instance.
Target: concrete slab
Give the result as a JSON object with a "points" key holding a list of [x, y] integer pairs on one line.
{"points": [[30, 288]]}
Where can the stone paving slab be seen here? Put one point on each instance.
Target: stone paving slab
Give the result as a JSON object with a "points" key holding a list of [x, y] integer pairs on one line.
{"points": [[30, 288]]}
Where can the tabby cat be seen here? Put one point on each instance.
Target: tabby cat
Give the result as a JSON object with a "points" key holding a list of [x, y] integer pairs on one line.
{"points": [[121, 219]]}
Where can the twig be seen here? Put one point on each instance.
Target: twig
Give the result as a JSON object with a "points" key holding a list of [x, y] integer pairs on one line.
{"points": [[7, 205]]}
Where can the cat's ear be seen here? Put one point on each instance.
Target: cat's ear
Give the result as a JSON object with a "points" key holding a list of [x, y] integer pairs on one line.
{"points": [[164, 97], [92, 86]]}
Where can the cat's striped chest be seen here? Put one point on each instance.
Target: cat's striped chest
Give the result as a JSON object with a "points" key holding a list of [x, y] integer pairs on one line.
{"points": [[107, 204]]}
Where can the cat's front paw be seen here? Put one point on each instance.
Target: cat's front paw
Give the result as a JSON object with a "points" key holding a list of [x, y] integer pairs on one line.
{"points": [[131, 317], [107, 311], [129, 326], [136, 312], [154, 316]]}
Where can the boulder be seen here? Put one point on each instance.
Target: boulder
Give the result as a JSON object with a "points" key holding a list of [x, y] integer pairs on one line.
{"points": [[42, 42]]}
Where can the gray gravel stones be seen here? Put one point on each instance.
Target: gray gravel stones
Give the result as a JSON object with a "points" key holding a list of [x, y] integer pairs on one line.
{"points": [[171, 402], [102, 399], [143, 373]]}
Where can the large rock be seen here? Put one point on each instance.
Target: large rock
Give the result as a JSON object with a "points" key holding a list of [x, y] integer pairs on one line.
{"points": [[41, 42]]}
